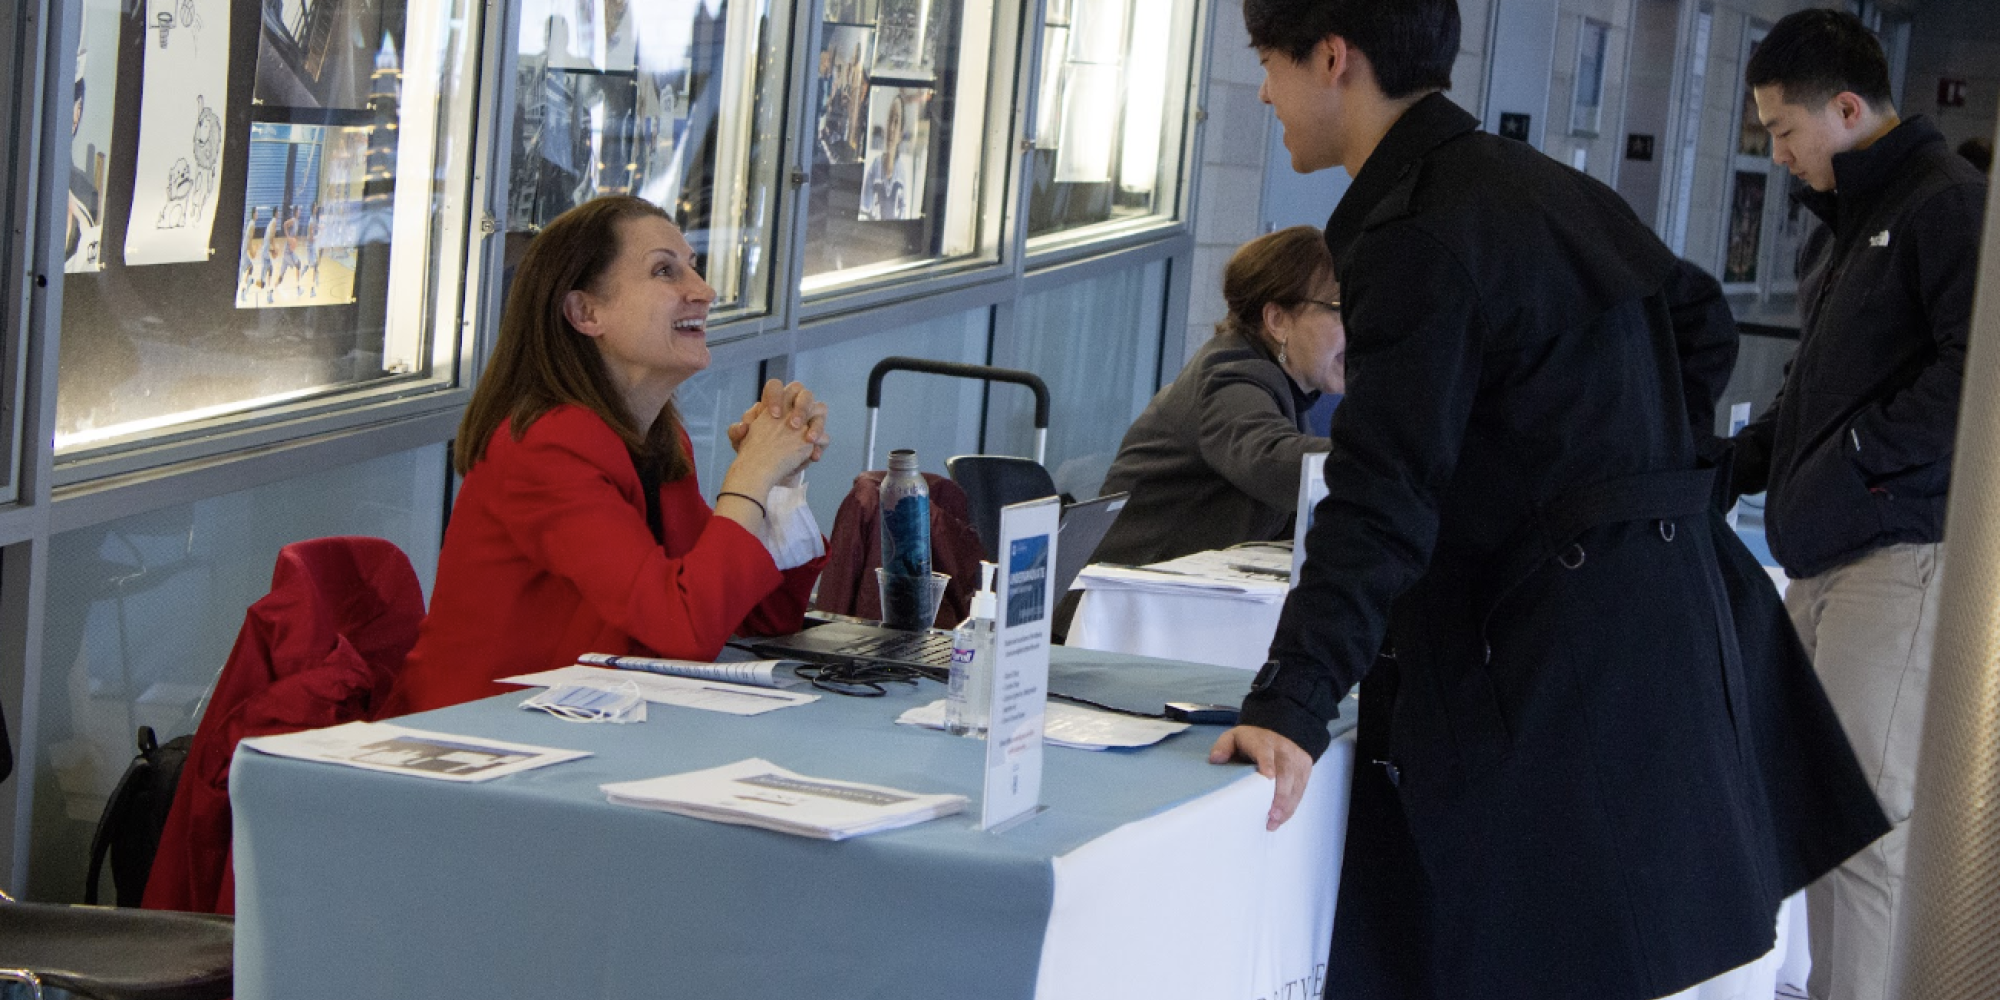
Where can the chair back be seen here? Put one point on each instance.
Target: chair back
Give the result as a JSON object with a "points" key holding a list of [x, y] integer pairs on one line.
{"points": [[322, 648], [991, 482], [854, 550]]}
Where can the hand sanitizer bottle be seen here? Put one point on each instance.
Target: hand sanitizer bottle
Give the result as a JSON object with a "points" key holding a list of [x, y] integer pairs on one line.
{"points": [[969, 701]]}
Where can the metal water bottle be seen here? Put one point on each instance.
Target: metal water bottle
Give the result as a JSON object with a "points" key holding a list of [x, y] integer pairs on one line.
{"points": [[906, 543]]}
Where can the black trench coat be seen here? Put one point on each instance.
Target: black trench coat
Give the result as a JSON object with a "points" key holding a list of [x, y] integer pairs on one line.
{"points": [[1593, 758]]}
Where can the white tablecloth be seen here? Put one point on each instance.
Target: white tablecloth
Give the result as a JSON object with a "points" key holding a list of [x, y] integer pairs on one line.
{"points": [[1203, 628], [1232, 632], [1201, 902]]}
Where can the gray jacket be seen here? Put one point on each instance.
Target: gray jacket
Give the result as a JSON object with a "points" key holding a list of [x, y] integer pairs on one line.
{"points": [[1214, 460]]}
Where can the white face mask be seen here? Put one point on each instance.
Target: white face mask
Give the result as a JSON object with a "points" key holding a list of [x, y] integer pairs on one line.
{"points": [[583, 703]]}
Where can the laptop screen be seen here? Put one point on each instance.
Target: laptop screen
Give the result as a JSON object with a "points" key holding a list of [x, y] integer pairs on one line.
{"points": [[1083, 526]]}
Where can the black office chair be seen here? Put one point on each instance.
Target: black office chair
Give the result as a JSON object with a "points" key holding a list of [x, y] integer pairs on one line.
{"points": [[103, 953], [991, 482]]}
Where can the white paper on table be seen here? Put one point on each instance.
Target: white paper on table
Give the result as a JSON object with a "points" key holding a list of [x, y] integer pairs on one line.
{"points": [[182, 107], [1262, 567], [711, 696], [759, 793], [1072, 726], [1099, 576], [377, 746]]}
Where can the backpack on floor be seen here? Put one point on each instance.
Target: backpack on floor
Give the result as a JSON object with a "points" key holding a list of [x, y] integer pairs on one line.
{"points": [[129, 830]]}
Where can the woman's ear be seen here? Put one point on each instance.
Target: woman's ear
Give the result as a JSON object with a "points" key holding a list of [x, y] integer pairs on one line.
{"points": [[581, 312], [1277, 322]]}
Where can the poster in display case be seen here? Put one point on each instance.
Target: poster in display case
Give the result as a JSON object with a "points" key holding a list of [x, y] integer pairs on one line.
{"points": [[846, 51], [184, 99], [302, 213], [892, 185], [906, 40], [90, 133]]}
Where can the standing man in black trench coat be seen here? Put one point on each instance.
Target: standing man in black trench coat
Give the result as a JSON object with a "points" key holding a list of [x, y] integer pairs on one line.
{"points": [[1592, 760]]}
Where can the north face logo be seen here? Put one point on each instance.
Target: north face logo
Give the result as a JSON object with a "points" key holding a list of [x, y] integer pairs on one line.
{"points": [[1880, 239]]}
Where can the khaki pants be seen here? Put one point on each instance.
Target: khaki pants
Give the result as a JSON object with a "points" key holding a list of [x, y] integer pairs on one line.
{"points": [[1868, 627]]}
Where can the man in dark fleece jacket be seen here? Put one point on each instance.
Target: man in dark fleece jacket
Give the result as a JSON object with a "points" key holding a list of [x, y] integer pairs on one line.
{"points": [[1856, 451]]}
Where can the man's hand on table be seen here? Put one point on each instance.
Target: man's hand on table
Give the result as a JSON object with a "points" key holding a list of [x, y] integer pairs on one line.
{"points": [[1276, 758]]}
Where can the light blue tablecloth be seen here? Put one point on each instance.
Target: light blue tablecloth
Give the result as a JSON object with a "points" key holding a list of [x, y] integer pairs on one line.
{"points": [[359, 884]]}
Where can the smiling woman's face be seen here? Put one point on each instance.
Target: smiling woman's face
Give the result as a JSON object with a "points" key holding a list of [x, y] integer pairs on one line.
{"points": [[648, 313]]}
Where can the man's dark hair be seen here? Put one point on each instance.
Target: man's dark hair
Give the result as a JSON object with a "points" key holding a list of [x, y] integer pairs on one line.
{"points": [[1410, 43], [1814, 54]]}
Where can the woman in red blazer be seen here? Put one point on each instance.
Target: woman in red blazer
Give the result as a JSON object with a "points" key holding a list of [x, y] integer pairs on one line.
{"points": [[580, 527]]}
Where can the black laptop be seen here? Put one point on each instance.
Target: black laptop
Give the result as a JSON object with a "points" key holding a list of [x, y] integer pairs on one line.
{"points": [[848, 640]]}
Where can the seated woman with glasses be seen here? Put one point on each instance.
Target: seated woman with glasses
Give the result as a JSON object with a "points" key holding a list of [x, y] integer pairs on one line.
{"points": [[1214, 459], [580, 527]]}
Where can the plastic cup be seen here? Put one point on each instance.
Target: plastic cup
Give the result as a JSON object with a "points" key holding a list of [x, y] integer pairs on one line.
{"points": [[933, 595]]}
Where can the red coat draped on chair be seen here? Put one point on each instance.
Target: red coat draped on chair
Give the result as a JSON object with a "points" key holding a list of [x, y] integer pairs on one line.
{"points": [[320, 649]]}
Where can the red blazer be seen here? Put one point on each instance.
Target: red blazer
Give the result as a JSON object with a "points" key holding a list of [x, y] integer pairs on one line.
{"points": [[548, 556], [320, 649]]}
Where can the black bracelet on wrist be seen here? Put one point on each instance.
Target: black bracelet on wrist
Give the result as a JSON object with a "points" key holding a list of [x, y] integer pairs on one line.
{"points": [[745, 496]]}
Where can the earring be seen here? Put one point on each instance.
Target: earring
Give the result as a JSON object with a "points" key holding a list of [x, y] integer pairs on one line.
{"points": [[1281, 356]]}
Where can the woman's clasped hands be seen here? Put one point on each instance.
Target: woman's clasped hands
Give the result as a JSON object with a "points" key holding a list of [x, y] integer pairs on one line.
{"points": [[779, 435]]}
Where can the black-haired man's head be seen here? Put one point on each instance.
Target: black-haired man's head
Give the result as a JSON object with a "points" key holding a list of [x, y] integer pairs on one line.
{"points": [[1410, 44], [1813, 55], [1338, 73], [1821, 85]]}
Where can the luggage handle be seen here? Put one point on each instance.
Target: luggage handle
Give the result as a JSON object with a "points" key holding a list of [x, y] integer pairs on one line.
{"points": [[956, 369]]}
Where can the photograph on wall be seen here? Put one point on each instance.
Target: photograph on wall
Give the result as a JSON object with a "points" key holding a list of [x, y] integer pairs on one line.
{"points": [[851, 11], [905, 40], [845, 53], [300, 195], [892, 185], [90, 135], [1746, 229], [184, 102], [326, 53]]}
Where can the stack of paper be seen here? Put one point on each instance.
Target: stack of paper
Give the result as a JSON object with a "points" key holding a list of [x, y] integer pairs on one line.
{"points": [[712, 696], [759, 793], [1249, 574], [1072, 726]]}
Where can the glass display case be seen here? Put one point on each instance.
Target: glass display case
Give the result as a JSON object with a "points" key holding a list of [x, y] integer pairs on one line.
{"points": [[268, 208], [674, 101], [903, 174], [1110, 100]]}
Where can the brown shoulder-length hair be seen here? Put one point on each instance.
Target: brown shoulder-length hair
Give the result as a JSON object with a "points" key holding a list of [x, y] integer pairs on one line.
{"points": [[542, 362], [1286, 268]]}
